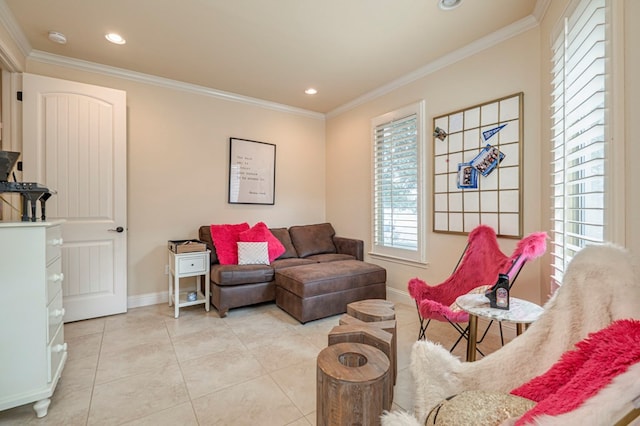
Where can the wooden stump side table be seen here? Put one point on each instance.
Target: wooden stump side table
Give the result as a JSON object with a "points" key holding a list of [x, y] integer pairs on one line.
{"points": [[377, 312], [352, 385]]}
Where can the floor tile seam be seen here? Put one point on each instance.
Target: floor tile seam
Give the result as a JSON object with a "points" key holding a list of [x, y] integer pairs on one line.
{"points": [[114, 354], [175, 337], [290, 400], [287, 396], [100, 354], [95, 378], [226, 387]]}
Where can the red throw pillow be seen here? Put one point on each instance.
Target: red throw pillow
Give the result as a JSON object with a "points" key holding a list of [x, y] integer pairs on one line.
{"points": [[225, 240], [260, 233]]}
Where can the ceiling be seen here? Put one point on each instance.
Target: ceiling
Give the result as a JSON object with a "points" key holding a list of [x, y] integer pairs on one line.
{"points": [[271, 50]]}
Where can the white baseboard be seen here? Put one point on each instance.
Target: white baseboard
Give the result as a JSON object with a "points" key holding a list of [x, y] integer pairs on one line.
{"points": [[148, 299], [399, 296]]}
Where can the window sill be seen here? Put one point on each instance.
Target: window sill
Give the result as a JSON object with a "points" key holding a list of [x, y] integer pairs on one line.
{"points": [[402, 261]]}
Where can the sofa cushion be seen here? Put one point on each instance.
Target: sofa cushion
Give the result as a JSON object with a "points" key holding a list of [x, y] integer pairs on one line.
{"points": [[224, 275], [204, 234], [260, 233], [313, 239], [225, 239], [290, 262], [253, 253], [318, 278], [282, 234], [329, 257]]}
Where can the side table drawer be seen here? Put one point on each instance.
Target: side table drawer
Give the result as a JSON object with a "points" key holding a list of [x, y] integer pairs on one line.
{"points": [[56, 313], [54, 279], [54, 242], [192, 265], [56, 352]]}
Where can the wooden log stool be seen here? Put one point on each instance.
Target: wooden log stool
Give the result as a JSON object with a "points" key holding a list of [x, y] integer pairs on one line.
{"points": [[379, 313], [352, 385], [367, 335], [372, 310]]}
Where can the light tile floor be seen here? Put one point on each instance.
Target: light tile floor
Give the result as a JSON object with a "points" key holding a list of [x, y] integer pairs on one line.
{"points": [[255, 366]]}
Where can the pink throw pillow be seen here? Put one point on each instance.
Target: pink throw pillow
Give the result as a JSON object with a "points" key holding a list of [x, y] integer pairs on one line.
{"points": [[260, 233], [225, 240]]}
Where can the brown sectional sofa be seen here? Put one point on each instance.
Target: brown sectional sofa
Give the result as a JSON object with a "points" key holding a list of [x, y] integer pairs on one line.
{"points": [[317, 276]]}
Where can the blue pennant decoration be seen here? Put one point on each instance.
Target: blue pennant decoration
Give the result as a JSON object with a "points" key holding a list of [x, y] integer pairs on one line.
{"points": [[487, 134]]}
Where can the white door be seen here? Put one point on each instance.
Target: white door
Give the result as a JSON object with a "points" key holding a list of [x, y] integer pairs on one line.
{"points": [[74, 142]]}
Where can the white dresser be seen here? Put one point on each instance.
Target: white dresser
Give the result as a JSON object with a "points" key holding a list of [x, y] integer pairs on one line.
{"points": [[32, 347]]}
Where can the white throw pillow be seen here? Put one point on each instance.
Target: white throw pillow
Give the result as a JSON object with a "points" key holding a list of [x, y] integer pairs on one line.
{"points": [[253, 253]]}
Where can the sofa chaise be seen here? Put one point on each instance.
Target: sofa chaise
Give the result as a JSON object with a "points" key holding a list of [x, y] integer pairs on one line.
{"points": [[318, 274]]}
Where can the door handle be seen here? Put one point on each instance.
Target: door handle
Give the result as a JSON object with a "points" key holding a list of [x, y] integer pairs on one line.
{"points": [[118, 229]]}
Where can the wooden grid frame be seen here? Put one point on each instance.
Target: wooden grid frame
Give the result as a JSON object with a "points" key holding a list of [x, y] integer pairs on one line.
{"points": [[497, 201]]}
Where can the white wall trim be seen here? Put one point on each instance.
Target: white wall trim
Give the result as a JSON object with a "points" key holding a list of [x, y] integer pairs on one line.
{"points": [[8, 21], [148, 299], [471, 49], [48, 58]]}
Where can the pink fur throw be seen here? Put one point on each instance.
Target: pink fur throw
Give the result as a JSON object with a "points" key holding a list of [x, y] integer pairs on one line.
{"points": [[483, 261], [582, 373]]}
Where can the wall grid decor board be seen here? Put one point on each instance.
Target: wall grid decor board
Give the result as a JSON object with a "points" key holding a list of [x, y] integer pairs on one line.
{"points": [[477, 168]]}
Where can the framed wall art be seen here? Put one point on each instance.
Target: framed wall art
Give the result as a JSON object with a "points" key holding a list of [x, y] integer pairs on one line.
{"points": [[477, 165], [252, 172]]}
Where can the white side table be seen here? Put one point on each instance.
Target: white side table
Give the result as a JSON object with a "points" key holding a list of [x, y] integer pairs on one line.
{"points": [[182, 265], [477, 305]]}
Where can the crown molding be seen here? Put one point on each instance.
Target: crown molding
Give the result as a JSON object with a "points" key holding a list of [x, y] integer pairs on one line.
{"points": [[8, 22], [541, 9], [48, 58], [471, 49]]}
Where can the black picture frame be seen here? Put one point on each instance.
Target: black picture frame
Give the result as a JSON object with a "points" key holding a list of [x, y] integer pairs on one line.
{"points": [[252, 172]]}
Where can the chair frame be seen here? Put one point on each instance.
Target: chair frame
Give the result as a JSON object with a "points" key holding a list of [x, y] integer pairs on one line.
{"points": [[464, 332]]}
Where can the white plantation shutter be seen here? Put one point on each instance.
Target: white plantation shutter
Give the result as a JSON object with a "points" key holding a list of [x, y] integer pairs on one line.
{"points": [[579, 120], [397, 192]]}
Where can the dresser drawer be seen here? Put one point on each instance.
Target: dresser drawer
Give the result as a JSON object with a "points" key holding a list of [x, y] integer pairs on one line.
{"points": [[56, 351], [192, 265], [54, 279], [56, 313], [54, 242]]}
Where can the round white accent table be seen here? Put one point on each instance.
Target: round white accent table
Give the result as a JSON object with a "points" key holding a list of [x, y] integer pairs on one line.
{"points": [[520, 312]]}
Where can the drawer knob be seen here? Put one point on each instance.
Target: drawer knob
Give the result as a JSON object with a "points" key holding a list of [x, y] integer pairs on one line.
{"points": [[56, 242], [57, 277], [58, 312], [59, 348]]}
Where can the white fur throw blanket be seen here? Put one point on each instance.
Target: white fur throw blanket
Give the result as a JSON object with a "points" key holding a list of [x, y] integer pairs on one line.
{"points": [[601, 285]]}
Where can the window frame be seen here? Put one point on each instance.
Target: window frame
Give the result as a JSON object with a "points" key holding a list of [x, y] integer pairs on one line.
{"points": [[417, 256], [613, 162]]}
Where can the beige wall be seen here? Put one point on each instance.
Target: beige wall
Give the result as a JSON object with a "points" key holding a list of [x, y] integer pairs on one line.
{"points": [[178, 154], [519, 64], [507, 68]]}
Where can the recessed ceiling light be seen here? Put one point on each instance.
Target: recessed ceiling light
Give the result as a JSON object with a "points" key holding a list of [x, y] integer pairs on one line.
{"points": [[311, 91], [449, 4], [57, 37], [115, 38]]}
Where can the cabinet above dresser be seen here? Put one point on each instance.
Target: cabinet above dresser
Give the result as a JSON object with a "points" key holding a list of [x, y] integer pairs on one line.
{"points": [[33, 351]]}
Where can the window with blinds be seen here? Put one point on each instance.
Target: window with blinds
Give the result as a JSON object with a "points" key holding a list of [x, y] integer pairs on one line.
{"points": [[579, 124], [397, 188]]}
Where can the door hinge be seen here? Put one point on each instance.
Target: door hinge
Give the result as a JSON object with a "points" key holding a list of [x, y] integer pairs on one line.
{"points": [[19, 95]]}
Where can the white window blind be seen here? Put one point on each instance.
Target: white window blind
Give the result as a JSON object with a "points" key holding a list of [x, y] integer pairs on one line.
{"points": [[397, 192], [579, 119]]}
